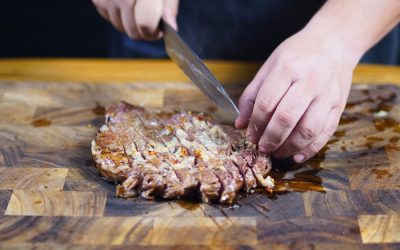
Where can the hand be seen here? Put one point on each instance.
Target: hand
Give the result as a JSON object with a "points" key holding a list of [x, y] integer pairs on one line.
{"points": [[294, 103], [139, 19]]}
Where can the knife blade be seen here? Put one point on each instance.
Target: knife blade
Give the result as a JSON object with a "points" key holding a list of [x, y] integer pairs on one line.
{"points": [[195, 69]]}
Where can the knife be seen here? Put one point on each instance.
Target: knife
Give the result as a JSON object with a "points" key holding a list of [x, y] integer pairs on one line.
{"points": [[195, 69]]}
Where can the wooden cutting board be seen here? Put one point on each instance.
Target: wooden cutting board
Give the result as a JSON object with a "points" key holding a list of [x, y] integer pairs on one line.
{"points": [[51, 195]]}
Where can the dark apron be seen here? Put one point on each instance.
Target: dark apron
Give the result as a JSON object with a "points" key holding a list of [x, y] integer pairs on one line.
{"points": [[242, 30]]}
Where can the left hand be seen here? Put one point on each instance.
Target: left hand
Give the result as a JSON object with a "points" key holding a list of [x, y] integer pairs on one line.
{"points": [[294, 103]]}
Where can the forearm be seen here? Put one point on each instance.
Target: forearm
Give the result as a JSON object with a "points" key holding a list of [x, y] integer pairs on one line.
{"points": [[354, 25]]}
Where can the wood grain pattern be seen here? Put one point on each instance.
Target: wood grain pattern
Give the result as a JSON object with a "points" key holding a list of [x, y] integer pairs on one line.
{"points": [[377, 178], [300, 230], [205, 231], [56, 203], [32, 178], [325, 203], [138, 207], [76, 230], [351, 203], [379, 228], [87, 180]]}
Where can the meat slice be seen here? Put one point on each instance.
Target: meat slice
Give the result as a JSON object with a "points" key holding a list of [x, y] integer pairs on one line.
{"points": [[209, 183], [239, 152], [109, 155], [162, 180], [250, 181], [218, 145], [174, 155], [261, 168]]}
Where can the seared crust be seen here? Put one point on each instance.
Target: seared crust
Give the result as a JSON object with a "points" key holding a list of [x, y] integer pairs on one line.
{"points": [[176, 155]]}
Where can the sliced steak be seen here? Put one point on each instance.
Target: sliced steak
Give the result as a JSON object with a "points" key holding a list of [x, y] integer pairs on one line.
{"points": [[209, 184], [250, 181], [109, 155], [161, 180], [176, 155]]}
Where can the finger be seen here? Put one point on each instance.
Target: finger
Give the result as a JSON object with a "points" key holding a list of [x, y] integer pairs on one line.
{"points": [[289, 111], [314, 147], [246, 104], [308, 128], [114, 14], [103, 13], [147, 15], [170, 11], [248, 98], [128, 19], [100, 7], [270, 94]]}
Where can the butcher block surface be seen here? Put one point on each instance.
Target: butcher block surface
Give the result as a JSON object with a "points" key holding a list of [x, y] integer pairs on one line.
{"points": [[51, 195]]}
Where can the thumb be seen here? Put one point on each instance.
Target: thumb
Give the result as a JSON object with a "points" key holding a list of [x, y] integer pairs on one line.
{"points": [[170, 11]]}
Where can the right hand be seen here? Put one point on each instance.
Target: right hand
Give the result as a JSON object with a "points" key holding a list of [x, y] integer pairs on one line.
{"points": [[139, 19]]}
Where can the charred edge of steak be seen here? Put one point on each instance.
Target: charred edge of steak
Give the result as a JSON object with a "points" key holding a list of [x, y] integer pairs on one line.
{"points": [[109, 156], [134, 179]]}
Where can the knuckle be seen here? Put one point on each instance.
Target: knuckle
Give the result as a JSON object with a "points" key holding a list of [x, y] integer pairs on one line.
{"points": [[314, 75], [273, 141], [133, 35], [131, 32], [283, 62], [333, 97], [285, 118], [246, 98], [266, 105], [145, 27], [313, 149], [329, 131], [308, 132], [267, 146], [285, 66], [171, 10], [284, 59], [100, 3], [130, 3], [148, 25]]}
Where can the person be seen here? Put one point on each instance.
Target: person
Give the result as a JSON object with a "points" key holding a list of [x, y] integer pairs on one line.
{"points": [[293, 105]]}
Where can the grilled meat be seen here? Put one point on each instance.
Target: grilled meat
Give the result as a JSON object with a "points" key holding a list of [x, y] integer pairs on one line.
{"points": [[174, 155]]}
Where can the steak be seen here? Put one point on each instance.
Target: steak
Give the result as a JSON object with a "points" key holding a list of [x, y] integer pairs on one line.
{"points": [[177, 155]]}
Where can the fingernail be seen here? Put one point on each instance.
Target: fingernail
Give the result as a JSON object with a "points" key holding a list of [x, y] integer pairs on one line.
{"points": [[299, 158]]}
